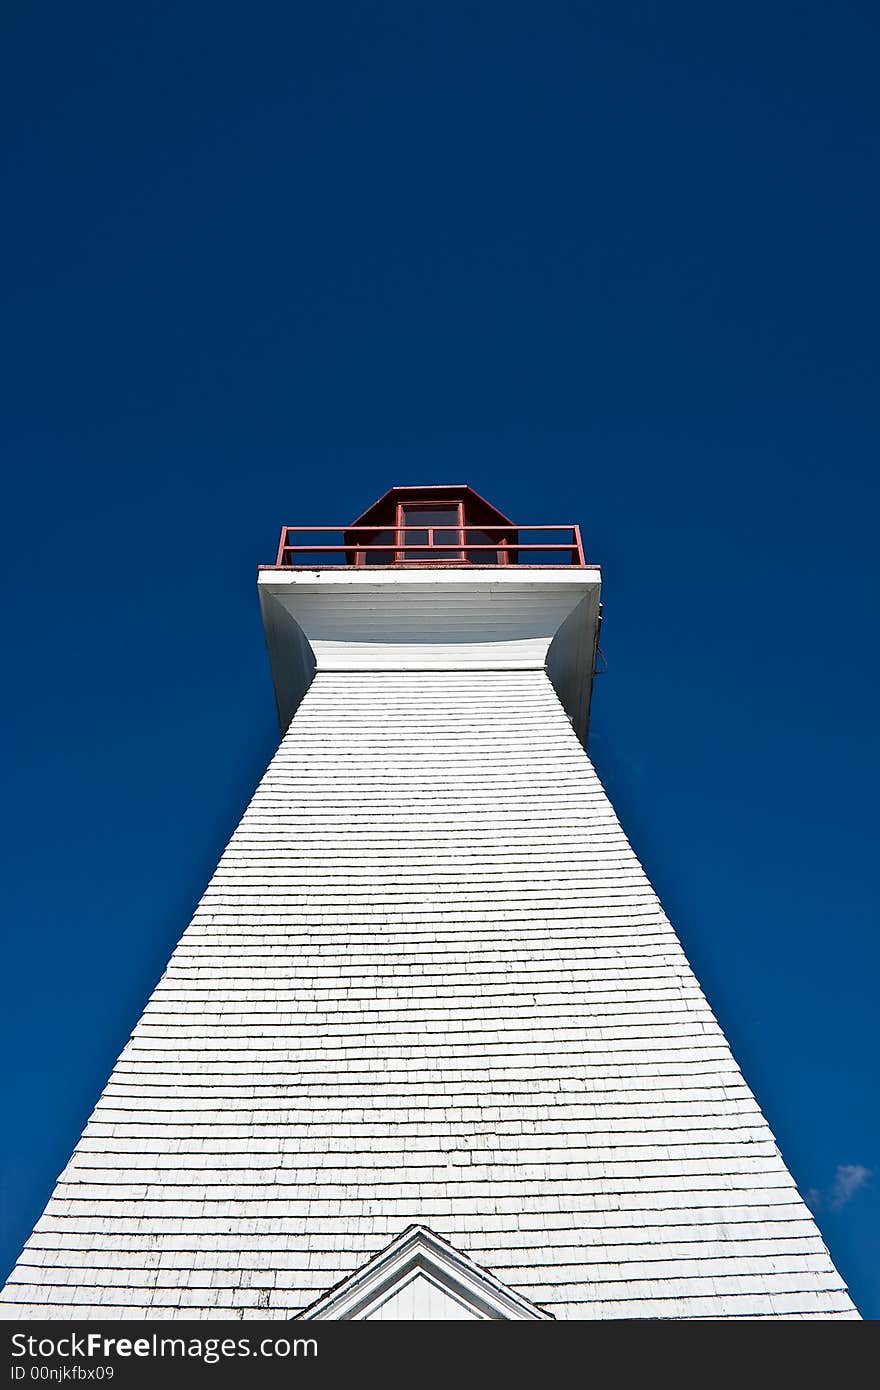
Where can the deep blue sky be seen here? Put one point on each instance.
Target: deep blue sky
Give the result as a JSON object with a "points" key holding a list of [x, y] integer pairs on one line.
{"points": [[615, 264]]}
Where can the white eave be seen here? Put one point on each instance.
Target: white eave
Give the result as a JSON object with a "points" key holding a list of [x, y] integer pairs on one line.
{"points": [[436, 619]]}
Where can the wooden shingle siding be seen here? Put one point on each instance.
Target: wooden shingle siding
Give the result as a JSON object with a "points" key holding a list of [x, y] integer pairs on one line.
{"points": [[429, 983]]}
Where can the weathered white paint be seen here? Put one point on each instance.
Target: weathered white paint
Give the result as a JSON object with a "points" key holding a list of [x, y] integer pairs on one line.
{"points": [[421, 1300], [428, 983]]}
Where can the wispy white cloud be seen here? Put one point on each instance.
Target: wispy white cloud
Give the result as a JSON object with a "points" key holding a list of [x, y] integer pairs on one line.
{"points": [[847, 1181]]}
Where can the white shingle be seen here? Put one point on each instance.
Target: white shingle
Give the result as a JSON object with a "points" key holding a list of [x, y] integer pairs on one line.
{"points": [[428, 982]]}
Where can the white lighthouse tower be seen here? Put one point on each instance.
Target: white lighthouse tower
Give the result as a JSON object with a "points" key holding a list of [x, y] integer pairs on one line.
{"points": [[429, 1047]]}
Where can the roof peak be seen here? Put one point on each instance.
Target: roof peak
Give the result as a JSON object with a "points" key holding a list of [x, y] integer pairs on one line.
{"points": [[419, 1275], [445, 492]]}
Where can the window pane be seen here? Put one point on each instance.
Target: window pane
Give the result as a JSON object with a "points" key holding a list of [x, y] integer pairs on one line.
{"points": [[416, 520], [429, 516]]}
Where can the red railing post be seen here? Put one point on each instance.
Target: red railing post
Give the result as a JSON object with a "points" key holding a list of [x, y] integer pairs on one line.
{"points": [[580, 547]]}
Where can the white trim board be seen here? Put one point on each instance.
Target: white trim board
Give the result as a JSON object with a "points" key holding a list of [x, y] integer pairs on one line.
{"points": [[461, 1289]]}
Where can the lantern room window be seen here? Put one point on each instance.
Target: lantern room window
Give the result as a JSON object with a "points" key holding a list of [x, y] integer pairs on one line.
{"points": [[431, 534], [426, 532], [429, 531], [441, 525]]}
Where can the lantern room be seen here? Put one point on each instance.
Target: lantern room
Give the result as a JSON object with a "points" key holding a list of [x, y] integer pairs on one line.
{"points": [[441, 524], [431, 526]]}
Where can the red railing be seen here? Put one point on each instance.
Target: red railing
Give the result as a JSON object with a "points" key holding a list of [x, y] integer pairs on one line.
{"points": [[419, 545]]}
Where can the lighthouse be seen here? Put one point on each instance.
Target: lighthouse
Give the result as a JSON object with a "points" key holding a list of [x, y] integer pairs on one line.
{"points": [[429, 1048]]}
